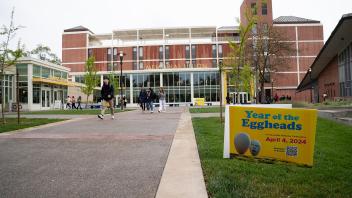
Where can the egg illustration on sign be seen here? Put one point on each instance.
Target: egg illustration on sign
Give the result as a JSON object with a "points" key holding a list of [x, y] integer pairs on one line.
{"points": [[254, 148], [242, 142]]}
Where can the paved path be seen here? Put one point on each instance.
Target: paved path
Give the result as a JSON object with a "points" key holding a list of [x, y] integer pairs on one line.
{"points": [[89, 157], [183, 176]]}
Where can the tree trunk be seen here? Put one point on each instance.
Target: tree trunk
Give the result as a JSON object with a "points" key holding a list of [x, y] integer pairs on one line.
{"points": [[262, 93], [87, 101], [2, 96]]}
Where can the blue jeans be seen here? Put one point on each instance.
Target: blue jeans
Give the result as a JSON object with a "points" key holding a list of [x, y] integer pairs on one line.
{"points": [[150, 106]]}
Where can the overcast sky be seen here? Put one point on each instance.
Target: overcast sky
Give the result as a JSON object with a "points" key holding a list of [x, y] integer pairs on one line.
{"points": [[45, 20]]}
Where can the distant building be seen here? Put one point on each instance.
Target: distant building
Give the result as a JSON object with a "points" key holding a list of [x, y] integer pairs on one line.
{"points": [[331, 72], [185, 60], [42, 85]]}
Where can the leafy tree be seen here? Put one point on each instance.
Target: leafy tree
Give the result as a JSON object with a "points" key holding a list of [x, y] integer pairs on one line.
{"points": [[241, 72], [91, 78], [8, 57], [266, 53], [44, 53]]}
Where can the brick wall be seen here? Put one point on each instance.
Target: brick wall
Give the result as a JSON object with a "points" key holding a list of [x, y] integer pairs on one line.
{"points": [[328, 81]]}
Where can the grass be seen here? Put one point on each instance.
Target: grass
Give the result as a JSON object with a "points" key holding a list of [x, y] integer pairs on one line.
{"points": [[71, 112], [206, 109], [331, 175], [324, 105], [11, 123]]}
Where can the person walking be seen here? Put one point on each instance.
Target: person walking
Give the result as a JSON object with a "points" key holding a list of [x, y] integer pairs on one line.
{"points": [[150, 100], [124, 102], [142, 98], [162, 100], [73, 101], [79, 101], [68, 102], [107, 95]]}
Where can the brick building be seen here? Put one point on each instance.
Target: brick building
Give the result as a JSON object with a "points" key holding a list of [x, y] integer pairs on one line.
{"points": [[331, 72], [185, 60]]}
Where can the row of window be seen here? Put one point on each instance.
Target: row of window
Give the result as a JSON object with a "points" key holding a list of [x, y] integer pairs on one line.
{"points": [[44, 72], [254, 8], [345, 71], [177, 85]]}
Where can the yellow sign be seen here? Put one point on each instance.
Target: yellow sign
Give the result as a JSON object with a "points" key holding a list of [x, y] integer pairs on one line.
{"points": [[271, 133], [199, 101]]}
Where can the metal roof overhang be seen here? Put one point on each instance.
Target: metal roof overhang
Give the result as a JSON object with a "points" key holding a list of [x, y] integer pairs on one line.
{"points": [[339, 39]]}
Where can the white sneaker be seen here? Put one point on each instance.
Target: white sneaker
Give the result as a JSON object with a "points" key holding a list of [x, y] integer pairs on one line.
{"points": [[112, 117], [101, 116]]}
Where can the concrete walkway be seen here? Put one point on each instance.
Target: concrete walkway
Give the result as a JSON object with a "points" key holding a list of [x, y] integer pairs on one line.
{"points": [[206, 115], [88, 157], [183, 176]]}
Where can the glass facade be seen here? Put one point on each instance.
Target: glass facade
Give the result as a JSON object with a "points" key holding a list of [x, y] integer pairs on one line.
{"points": [[345, 71], [206, 85], [8, 82], [177, 85]]}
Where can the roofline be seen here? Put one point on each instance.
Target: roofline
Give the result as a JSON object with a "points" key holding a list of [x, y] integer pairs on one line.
{"points": [[298, 22], [42, 63], [344, 17]]}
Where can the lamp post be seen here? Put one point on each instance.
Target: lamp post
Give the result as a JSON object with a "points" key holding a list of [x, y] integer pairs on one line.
{"points": [[120, 79], [220, 83], [272, 89], [311, 88]]}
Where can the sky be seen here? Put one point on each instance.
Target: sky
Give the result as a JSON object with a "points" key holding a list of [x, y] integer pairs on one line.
{"points": [[45, 20]]}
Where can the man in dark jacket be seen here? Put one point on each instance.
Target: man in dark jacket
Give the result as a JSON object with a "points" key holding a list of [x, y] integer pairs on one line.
{"points": [[107, 95]]}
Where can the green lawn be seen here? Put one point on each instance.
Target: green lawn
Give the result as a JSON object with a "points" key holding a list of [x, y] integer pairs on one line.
{"points": [[206, 109], [72, 112], [331, 175], [11, 123]]}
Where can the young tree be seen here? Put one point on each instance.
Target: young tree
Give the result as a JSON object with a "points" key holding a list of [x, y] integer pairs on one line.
{"points": [[91, 78], [8, 57], [241, 71], [44, 53], [267, 52]]}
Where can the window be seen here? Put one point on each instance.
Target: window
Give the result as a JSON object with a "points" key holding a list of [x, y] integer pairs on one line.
{"points": [[134, 53], [214, 51], [36, 93], [161, 64], [194, 51], [90, 52], [167, 52], [141, 66], [220, 51], [23, 95], [214, 63], [115, 54], [187, 51], [141, 53], [45, 72], [264, 8], [36, 71], [135, 66], [109, 54], [161, 52], [254, 8]]}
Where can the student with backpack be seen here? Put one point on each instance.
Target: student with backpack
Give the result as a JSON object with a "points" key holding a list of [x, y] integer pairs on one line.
{"points": [[107, 95], [150, 100]]}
